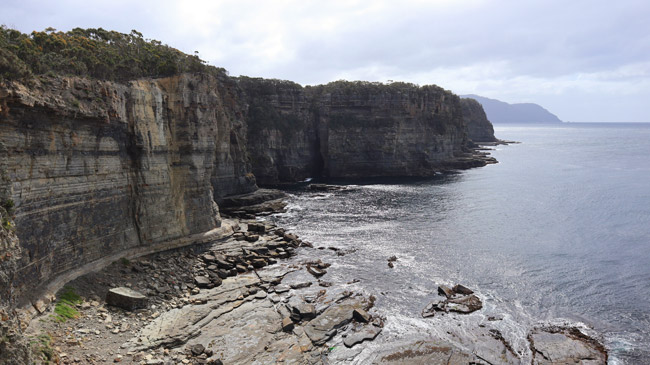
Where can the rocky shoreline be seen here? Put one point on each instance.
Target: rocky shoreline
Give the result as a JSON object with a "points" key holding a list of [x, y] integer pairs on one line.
{"points": [[256, 297]]}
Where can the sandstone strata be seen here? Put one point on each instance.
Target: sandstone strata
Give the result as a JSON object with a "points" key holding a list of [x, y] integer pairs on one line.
{"points": [[353, 129], [100, 168]]}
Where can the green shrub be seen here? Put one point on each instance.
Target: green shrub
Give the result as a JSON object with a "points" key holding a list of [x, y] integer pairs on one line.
{"points": [[97, 53], [65, 306]]}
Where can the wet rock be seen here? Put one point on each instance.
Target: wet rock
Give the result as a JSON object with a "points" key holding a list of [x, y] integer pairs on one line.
{"points": [[466, 304], [421, 353], [316, 271], [361, 315], [561, 348], [446, 291], [368, 332], [126, 298], [460, 289], [325, 326], [433, 307]]}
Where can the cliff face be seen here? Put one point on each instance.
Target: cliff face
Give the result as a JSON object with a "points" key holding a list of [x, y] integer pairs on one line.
{"points": [[283, 141], [479, 128], [351, 129], [98, 168]]}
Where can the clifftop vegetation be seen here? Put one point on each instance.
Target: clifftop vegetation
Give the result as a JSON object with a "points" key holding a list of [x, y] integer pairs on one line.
{"points": [[97, 53]]}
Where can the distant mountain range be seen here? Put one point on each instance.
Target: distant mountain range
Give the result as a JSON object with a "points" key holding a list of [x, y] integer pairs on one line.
{"points": [[499, 112]]}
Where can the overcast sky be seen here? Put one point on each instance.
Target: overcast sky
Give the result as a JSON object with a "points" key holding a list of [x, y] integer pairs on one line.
{"points": [[585, 61]]}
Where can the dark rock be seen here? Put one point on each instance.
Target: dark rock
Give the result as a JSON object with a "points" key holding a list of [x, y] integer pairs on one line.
{"points": [[202, 281], [222, 273], [224, 264], [460, 289], [260, 250], [241, 268], [126, 298], [446, 291], [466, 304], [252, 238], [360, 315], [256, 227], [314, 270], [392, 258], [390, 264], [197, 349], [287, 324], [258, 263]]}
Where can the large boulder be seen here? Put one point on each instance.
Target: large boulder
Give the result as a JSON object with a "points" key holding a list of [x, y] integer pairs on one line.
{"points": [[126, 298]]}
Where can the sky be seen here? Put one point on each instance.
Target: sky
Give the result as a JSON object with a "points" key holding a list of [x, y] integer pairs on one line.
{"points": [[585, 61]]}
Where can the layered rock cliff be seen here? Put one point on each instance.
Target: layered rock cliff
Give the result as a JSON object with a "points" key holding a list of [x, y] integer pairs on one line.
{"points": [[353, 129], [479, 128], [99, 168]]}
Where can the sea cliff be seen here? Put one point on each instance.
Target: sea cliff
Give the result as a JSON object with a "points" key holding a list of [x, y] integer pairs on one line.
{"points": [[99, 167], [354, 129]]}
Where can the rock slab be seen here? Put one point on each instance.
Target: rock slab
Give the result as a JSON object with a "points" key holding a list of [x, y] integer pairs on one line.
{"points": [[126, 298]]}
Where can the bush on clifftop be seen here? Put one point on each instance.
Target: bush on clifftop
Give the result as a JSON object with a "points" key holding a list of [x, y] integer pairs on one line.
{"points": [[98, 53]]}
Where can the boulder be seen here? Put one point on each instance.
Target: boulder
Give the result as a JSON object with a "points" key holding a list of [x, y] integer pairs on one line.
{"points": [[126, 298], [360, 315], [325, 326], [460, 289], [446, 291], [466, 304], [197, 349], [202, 281]]}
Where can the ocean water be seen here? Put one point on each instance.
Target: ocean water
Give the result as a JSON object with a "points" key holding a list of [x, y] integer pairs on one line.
{"points": [[557, 232]]}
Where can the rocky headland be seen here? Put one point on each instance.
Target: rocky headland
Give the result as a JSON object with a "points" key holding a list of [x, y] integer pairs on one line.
{"points": [[141, 173]]}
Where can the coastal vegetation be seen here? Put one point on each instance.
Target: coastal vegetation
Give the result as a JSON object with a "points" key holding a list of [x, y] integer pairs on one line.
{"points": [[96, 53]]}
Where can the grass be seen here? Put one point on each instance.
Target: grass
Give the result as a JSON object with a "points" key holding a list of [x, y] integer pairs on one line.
{"points": [[42, 347], [65, 306]]}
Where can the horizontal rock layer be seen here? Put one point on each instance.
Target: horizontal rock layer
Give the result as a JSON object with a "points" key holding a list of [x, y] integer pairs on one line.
{"points": [[100, 167], [352, 129]]}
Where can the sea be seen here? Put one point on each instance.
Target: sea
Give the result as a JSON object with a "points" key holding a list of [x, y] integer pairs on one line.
{"points": [[558, 232]]}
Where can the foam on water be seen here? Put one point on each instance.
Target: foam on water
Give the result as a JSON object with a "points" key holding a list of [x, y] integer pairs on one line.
{"points": [[557, 232]]}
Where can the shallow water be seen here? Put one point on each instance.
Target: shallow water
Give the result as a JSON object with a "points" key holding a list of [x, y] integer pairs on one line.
{"points": [[559, 230]]}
